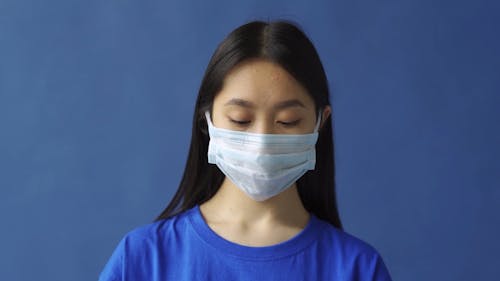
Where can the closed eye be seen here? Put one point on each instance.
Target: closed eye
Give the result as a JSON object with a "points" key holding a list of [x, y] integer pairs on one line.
{"points": [[240, 122], [289, 124]]}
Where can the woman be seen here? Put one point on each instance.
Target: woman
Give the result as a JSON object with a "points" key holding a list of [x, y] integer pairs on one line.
{"points": [[257, 198]]}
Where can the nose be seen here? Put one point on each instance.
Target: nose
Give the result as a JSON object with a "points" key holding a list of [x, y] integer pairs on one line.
{"points": [[263, 127]]}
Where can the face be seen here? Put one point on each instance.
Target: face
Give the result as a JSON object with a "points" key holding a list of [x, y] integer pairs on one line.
{"points": [[259, 96]]}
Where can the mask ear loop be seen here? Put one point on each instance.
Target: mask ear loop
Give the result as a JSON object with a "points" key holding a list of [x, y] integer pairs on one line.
{"points": [[209, 121], [318, 122]]}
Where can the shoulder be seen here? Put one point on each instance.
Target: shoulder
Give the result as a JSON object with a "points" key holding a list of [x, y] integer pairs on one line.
{"points": [[160, 231], [145, 243], [347, 241], [354, 257]]}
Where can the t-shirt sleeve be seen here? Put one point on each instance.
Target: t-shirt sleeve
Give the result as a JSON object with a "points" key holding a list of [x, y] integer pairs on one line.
{"points": [[114, 267]]}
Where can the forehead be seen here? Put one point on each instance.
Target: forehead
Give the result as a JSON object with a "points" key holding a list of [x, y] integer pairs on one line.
{"points": [[263, 83]]}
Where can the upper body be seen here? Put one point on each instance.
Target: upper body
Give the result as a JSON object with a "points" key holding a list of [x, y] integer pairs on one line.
{"points": [[257, 198], [184, 247]]}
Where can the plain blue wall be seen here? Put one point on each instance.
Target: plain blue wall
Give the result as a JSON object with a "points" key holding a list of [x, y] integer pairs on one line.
{"points": [[96, 99]]}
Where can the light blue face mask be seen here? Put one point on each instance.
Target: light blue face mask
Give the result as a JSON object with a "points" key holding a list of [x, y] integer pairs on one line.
{"points": [[261, 165]]}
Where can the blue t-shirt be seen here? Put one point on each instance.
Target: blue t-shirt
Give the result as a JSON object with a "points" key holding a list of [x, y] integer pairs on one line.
{"points": [[185, 248]]}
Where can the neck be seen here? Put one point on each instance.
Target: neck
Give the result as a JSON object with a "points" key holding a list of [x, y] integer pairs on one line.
{"points": [[231, 205]]}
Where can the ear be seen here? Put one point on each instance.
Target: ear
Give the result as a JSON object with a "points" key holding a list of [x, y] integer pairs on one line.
{"points": [[327, 110]]}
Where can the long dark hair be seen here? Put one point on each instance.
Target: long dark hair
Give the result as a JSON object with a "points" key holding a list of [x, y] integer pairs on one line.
{"points": [[285, 44]]}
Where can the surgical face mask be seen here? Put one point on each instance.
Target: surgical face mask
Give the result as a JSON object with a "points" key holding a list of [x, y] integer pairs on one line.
{"points": [[261, 165]]}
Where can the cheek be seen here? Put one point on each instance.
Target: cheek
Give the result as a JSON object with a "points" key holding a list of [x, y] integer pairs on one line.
{"points": [[217, 120], [311, 122]]}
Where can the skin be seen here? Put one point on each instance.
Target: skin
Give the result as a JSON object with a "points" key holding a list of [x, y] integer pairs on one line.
{"points": [[260, 97]]}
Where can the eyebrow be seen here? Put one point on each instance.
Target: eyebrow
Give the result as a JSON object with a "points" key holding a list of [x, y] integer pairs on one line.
{"points": [[289, 103], [240, 102], [279, 106]]}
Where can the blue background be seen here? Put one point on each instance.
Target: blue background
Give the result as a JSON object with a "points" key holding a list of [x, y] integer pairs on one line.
{"points": [[96, 100]]}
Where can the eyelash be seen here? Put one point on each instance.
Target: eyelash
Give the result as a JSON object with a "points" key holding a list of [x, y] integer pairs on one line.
{"points": [[285, 124], [290, 124], [240, 123]]}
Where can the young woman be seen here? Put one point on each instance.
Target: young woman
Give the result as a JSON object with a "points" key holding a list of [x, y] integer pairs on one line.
{"points": [[257, 198]]}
